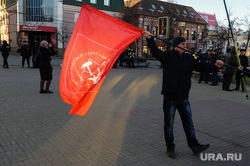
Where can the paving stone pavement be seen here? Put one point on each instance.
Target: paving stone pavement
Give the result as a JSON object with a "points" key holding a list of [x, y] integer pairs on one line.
{"points": [[124, 126]]}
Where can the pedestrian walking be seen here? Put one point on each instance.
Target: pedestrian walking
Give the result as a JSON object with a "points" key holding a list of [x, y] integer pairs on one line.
{"points": [[230, 59], [177, 72], [5, 48], [131, 58], [44, 57], [239, 75], [25, 53]]}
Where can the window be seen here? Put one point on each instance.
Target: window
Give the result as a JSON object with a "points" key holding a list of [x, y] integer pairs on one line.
{"points": [[107, 2], [201, 35], [186, 34], [194, 35], [153, 6], [178, 32], [206, 18], [162, 8], [192, 13], [39, 11], [185, 12], [178, 11], [145, 50], [243, 45], [211, 42], [93, 1]]}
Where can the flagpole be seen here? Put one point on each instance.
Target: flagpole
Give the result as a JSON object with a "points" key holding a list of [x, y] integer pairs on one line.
{"points": [[230, 26], [227, 65]]}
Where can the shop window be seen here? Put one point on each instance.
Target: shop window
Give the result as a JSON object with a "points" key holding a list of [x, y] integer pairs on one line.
{"points": [[186, 34], [243, 45], [194, 35], [201, 35], [211, 42], [145, 51], [161, 48], [178, 32]]}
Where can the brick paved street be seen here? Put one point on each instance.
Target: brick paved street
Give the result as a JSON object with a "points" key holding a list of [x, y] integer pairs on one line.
{"points": [[124, 126]]}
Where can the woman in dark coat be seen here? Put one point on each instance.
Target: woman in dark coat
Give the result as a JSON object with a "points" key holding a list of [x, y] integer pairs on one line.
{"points": [[45, 67]]}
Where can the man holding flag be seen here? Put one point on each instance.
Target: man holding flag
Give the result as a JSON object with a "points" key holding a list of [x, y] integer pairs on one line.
{"points": [[177, 72]]}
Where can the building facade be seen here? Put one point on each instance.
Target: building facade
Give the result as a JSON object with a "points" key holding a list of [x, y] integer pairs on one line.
{"points": [[212, 33], [181, 21], [51, 20]]}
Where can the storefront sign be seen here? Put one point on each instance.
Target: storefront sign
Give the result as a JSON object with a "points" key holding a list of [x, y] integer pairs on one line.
{"points": [[182, 24], [35, 27]]}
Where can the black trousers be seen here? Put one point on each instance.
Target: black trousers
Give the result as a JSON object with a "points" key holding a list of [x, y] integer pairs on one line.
{"points": [[5, 61], [227, 78], [27, 59], [239, 81]]}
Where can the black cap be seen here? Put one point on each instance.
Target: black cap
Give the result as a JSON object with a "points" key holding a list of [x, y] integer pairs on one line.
{"points": [[242, 50], [209, 50], [178, 40], [216, 50]]}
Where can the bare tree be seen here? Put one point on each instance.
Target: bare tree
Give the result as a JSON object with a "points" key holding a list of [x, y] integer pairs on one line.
{"points": [[63, 34], [234, 23], [246, 22]]}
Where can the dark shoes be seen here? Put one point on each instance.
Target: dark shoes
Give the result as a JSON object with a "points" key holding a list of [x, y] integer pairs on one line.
{"points": [[229, 90], [45, 91], [42, 91], [196, 150], [236, 88], [171, 153], [213, 84], [199, 148]]}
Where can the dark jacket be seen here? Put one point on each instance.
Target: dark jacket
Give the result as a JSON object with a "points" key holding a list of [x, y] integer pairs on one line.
{"points": [[244, 61], [215, 57], [25, 50], [177, 71], [205, 58], [230, 59], [5, 49], [44, 55]]}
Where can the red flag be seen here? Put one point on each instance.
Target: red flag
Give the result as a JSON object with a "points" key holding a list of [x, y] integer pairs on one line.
{"points": [[97, 41]]}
